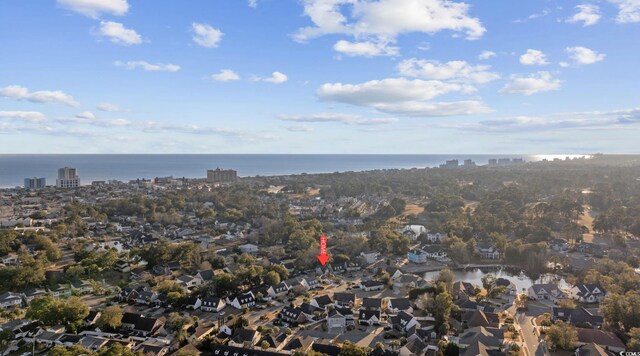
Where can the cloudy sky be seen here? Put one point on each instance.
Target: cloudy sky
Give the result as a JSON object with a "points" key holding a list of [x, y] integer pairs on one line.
{"points": [[319, 76]]}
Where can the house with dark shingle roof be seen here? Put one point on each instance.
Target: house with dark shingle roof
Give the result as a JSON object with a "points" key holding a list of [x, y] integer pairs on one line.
{"points": [[395, 305], [578, 316], [293, 315], [587, 293]]}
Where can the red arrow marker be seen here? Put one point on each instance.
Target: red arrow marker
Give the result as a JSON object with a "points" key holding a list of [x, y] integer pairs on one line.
{"points": [[323, 257]]}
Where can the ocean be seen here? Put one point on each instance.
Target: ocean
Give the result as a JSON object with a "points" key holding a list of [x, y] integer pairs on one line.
{"points": [[15, 167]]}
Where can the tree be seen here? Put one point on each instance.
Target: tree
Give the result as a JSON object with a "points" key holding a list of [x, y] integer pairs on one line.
{"points": [[116, 349], [447, 277], [442, 308], [6, 335], [634, 340], [351, 349], [451, 349], [68, 312], [562, 336], [271, 278], [488, 281], [70, 351], [110, 318], [264, 344]]}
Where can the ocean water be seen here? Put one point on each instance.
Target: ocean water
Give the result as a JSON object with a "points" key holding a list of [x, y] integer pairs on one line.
{"points": [[15, 167]]}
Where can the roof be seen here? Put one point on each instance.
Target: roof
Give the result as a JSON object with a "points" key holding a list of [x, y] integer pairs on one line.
{"points": [[302, 342], [372, 303], [591, 350], [400, 303], [344, 297], [480, 318], [600, 337], [243, 335]]}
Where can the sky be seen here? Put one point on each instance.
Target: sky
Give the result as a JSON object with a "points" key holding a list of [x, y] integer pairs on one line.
{"points": [[320, 76]]}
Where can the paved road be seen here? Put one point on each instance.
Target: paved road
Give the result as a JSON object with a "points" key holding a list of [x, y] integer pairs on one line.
{"points": [[532, 342]]}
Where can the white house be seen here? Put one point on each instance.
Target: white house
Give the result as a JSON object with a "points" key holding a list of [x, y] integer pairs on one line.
{"points": [[336, 320], [246, 300], [248, 248], [212, 305], [371, 285], [435, 238], [9, 300], [413, 231], [370, 256], [587, 293], [435, 252], [546, 291]]}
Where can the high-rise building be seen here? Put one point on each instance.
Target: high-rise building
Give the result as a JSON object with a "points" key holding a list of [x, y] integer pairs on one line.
{"points": [[221, 175], [35, 183], [67, 178]]}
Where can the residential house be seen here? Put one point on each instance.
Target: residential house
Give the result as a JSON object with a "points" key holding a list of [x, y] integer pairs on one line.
{"points": [[279, 289], [371, 285], [10, 300], [487, 251], [310, 310], [302, 344], [480, 337], [81, 287], [371, 303], [480, 318], [146, 297], [559, 245], [293, 315], [403, 321], [241, 301], [413, 231], [369, 317], [417, 256], [244, 338], [335, 319], [352, 266], [546, 291], [309, 283], [344, 299], [322, 301], [212, 304], [435, 237], [205, 275], [193, 302], [510, 287], [578, 316], [188, 281], [248, 248], [370, 256], [396, 305], [147, 326], [587, 293], [60, 291], [605, 339], [435, 252], [394, 273]]}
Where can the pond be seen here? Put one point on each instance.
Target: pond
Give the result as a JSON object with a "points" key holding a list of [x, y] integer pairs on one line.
{"points": [[522, 281]]}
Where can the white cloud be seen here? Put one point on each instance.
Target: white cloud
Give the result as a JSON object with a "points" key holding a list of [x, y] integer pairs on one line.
{"points": [[253, 3], [348, 119], [87, 115], [226, 75], [157, 67], [533, 57], [628, 10], [384, 20], [94, 8], [401, 96], [117, 33], [205, 35], [583, 55], [581, 120], [388, 91], [275, 78], [531, 84], [109, 107], [365, 49], [454, 70], [587, 14], [45, 96], [433, 109], [486, 55], [299, 128], [31, 116]]}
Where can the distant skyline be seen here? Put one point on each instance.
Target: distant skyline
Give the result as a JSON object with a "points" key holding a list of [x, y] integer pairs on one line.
{"points": [[319, 76]]}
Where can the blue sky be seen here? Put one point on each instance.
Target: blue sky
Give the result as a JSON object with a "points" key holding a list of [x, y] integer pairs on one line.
{"points": [[319, 76]]}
